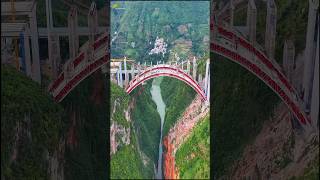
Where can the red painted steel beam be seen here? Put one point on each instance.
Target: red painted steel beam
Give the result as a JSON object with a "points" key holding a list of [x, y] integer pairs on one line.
{"points": [[263, 76], [194, 85]]}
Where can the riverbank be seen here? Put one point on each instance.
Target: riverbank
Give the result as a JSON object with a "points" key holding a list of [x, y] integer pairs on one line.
{"points": [[157, 98]]}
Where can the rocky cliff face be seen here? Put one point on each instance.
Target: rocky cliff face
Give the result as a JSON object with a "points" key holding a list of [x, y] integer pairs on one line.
{"points": [[280, 151], [31, 126], [119, 134], [177, 135]]}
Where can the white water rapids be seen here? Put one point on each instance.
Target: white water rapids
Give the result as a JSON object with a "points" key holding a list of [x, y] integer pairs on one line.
{"points": [[157, 98]]}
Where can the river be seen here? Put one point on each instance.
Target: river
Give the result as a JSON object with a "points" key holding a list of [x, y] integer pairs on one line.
{"points": [[157, 98]]}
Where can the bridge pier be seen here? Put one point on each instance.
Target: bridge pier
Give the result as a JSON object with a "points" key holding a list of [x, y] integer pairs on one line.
{"points": [[73, 36], [35, 45], [206, 77], [208, 90], [27, 54], [53, 43], [188, 67], [125, 72], [54, 53], [92, 22], [314, 114], [288, 59], [200, 81], [194, 69], [132, 71], [310, 53], [271, 31], [120, 75], [252, 20], [231, 13], [118, 78]]}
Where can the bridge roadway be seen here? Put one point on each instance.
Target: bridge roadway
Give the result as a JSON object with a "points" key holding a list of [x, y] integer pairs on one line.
{"points": [[79, 68], [230, 44]]}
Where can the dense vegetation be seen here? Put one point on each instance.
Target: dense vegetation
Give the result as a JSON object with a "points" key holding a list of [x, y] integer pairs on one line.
{"points": [[126, 162], [24, 105], [147, 124], [311, 172], [177, 96], [241, 101], [86, 157], [142, 22], [121, 98], [193, 157]]}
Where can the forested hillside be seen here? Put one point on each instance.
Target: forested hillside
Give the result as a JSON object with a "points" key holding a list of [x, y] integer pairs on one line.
{"points": [[193, 157], [183, 25], [126, 161], [31, 127], [87, 114], [147, 126]]}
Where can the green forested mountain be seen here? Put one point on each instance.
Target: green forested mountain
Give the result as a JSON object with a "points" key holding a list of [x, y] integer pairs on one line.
{"points": [[31, 127], [193, 157], [87, 110], [176, 22], [126, 162], [147, 124]]}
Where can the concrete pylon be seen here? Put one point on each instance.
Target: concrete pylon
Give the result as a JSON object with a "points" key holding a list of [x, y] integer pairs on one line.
{"points": [[288, 59], [206, 76], [310, 53], [73, 35], [252, 20], [231, 12], [271, 31], [200, 81], [126, 78], [208, 90], [27, 54], [120, 75], [314, 114], [36, 72], [188, 67], [194, 69], [53, 42], [54, 54], [132, 71], [93, 21], [212, 21]]}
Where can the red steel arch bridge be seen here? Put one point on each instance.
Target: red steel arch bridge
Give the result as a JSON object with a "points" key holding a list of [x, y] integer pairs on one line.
{"points": [[239, 45]]}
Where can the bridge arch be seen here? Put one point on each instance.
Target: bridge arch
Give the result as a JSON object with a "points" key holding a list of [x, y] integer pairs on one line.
{"points": [[231, 45], [168, 71]]}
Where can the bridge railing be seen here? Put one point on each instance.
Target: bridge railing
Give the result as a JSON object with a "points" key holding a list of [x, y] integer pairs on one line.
{"points": [[74, 66]]}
